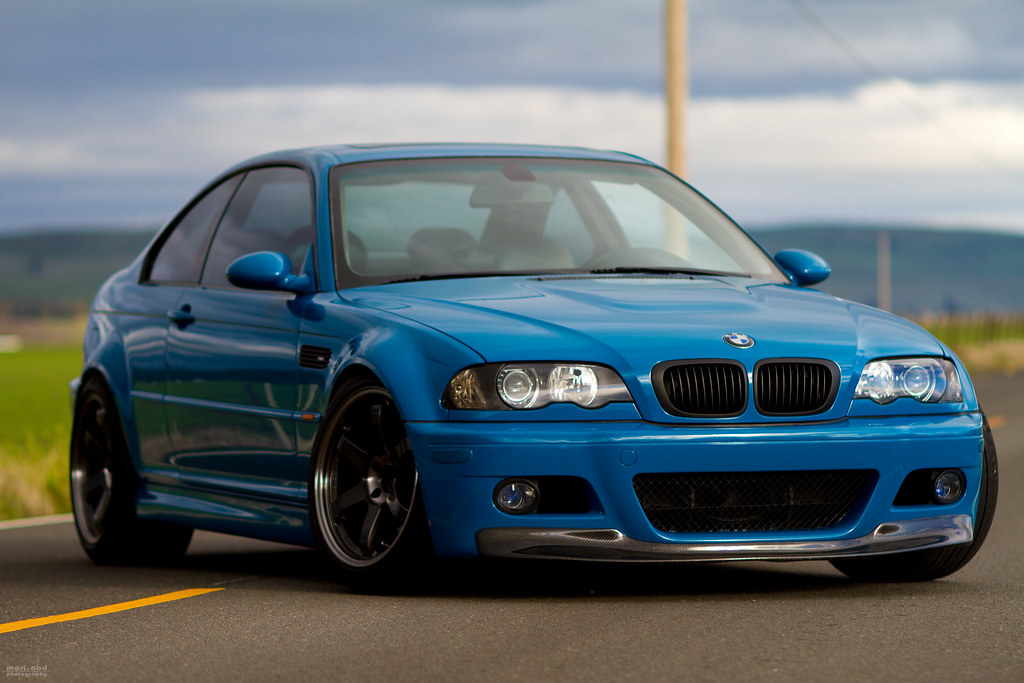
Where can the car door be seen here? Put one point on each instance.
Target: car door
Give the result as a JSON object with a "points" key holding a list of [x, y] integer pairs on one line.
{"points": [[173, 266], [230, 398]]}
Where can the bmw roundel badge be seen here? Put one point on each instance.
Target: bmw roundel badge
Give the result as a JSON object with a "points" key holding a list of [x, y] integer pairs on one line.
{"points": [[740, 341]]}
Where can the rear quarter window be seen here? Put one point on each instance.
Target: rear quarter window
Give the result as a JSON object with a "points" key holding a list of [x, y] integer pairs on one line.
{"points": [[180, 256]]}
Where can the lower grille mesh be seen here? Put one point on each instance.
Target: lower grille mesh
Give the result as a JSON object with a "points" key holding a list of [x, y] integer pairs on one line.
{"points": [[749, 501]]}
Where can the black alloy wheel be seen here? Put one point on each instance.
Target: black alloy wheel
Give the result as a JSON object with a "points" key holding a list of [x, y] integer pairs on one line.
{"points": [[104, 486], [365, 505]]}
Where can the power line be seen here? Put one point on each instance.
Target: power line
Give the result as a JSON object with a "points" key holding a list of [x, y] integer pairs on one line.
{"points": [[910, 100]]}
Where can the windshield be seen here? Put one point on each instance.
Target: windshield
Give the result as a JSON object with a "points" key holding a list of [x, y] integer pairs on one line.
{"points": [[426, 218]]}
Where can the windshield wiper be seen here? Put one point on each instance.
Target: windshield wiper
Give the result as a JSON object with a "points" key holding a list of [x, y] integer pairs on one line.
{"points": [[644, 270], [456, 276], [665, 270]]}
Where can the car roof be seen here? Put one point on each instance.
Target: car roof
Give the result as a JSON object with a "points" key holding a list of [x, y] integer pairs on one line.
{"points": [[331, 155]]}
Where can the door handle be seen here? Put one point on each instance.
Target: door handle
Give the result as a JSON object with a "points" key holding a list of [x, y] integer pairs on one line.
{"points": [[182, 317]]}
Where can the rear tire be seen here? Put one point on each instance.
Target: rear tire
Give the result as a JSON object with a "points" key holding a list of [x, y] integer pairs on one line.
{"points": [[365, 508], [104, 487], [925, 565]]}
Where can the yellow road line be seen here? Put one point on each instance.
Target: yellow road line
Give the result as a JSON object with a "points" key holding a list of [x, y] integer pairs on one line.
{"points": [[997, 421], [108, 609]]}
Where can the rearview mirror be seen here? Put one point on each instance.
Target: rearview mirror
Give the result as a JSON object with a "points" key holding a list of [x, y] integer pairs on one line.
{"points": [[267, 270], [494, 195]]}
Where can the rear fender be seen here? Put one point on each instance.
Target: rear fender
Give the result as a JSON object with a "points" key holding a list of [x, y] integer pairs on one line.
{"points": [[106, 358]]}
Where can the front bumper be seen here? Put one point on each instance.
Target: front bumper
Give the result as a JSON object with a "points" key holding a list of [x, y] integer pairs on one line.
{"points": [[612, 545], [461, 463]]}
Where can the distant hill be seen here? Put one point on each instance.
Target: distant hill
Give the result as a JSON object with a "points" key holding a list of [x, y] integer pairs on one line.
{"points": [[938, 271], [57, 273]]}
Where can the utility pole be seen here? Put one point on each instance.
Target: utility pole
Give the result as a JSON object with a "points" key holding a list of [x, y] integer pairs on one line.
{"points": [[677, 83]]}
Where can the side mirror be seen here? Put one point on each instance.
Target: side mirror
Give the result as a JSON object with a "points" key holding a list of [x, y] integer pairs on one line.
{"points": [[803, 267], [267, 270]]}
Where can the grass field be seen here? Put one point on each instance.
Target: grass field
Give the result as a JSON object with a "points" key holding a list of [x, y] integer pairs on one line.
{"points": [[35, 425]]}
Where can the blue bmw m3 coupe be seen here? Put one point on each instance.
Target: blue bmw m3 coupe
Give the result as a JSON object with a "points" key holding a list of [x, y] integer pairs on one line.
{"points": [[400, 352]]}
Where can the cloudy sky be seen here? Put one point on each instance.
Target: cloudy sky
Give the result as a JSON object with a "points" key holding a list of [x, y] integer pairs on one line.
{"points": [[860, 111]]}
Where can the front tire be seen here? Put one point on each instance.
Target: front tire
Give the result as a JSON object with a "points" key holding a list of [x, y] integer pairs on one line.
{"points": [[365, 508], [104, 487], [925, 565]]}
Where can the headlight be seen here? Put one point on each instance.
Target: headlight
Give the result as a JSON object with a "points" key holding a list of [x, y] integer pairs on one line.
{"points": [[520, 386], [929, 380]]}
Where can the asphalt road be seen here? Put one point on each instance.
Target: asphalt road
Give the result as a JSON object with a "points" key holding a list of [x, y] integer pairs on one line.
{"points": [[281, 616]]}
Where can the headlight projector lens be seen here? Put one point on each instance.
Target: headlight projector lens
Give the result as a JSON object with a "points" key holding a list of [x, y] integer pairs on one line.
{"points": [[518, 387]]}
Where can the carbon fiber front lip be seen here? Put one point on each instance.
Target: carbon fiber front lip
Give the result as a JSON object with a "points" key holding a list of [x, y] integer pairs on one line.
{"points": [[614, 546]]}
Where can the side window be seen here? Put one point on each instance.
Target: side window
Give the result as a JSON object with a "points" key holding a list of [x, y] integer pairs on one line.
{"points": [[272, 211], [180, 258]]}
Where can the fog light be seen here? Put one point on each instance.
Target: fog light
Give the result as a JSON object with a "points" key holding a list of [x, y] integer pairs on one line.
{"points": [[516, 496], [948, 487]]}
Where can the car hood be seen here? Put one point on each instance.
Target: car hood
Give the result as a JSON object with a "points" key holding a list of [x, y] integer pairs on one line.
{"points": [[634, 322]]}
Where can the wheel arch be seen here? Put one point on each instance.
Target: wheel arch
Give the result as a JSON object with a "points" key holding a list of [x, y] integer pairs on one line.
{"points": [[352, 371], [413, 363], [411, 403], [109, 363]]}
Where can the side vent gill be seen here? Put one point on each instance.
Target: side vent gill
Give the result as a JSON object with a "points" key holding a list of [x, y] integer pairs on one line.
{"points": [[315, 357]]}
